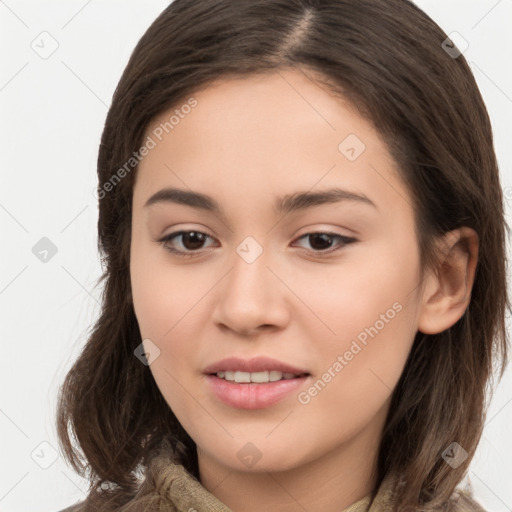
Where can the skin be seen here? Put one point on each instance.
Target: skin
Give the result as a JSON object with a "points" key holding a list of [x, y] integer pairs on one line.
{"points": [[246, 142]]}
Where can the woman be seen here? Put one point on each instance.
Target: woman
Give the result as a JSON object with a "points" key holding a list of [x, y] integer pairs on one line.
{"points": [[302, 227]]}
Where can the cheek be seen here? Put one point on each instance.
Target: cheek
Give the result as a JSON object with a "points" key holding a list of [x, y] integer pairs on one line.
{"points": [[365, 288], [169, 306], [162, 294], [370, 308], [164, 306], [360, 306]]}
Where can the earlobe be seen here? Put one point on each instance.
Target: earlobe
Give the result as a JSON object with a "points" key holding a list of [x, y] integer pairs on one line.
{"points": [[447, 289]]}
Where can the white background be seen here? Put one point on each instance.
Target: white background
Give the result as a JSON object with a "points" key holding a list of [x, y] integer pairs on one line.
{"points": [[52, 114]]}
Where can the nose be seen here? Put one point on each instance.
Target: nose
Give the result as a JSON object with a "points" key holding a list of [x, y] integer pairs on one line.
{"points": [[252, 297]]}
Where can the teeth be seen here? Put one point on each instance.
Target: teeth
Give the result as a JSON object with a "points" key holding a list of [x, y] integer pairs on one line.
{"points": [[275, 375], [242, 377], [258, 377]]}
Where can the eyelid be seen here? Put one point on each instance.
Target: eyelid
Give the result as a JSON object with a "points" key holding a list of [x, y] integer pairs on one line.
{"points": [[346, 240], [178, 252]]}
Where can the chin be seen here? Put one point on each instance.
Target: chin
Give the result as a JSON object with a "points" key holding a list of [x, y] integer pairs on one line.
{"points": [[257, 456]]}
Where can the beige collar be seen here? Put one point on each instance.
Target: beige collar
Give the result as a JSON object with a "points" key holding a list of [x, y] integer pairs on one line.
{"points": [[173, 489], [186, 494]]}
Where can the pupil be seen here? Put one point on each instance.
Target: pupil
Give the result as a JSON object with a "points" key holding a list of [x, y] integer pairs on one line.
{"points": [[194, 244], [323, 236], [194, 240]]}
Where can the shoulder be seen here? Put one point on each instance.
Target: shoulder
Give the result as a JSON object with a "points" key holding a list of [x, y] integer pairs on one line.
{"points": [[461, 500]]}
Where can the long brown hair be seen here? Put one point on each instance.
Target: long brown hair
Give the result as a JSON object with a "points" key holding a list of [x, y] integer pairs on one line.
{"points": [[386, 57]]}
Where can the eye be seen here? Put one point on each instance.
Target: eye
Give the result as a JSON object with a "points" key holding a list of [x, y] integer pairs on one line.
{"points": [[190, 241], [193, 241], [322, 241]]}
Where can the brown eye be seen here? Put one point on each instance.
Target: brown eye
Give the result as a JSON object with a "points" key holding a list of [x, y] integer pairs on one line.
{"points": [[191, 241], [321, 242]]}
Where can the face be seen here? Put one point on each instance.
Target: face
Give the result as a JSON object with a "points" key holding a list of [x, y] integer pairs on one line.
{"points": [[325, 287]]}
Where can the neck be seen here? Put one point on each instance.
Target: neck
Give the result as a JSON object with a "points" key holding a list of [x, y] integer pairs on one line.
{"points": [[329, 483]]}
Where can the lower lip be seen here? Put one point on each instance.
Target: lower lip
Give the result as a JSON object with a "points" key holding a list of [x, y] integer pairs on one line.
{"points": [[252, 395]]}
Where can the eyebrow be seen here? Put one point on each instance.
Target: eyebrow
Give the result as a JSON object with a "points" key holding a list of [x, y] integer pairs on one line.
{"points": [[297, 201]]}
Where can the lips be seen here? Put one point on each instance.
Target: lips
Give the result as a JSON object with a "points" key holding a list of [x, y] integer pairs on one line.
{"points": [[257, 364], [253, 395]]}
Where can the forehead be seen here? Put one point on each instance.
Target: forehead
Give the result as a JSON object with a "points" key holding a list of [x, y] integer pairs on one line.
{"points": [[283, 107], [263, 135]]}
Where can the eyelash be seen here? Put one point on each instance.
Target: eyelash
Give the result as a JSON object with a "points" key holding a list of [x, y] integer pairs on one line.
{"points": [[165, 240]]}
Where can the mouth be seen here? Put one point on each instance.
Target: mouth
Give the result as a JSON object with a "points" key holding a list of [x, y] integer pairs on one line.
{"points": [[262, 377], [253, 383], [254, 390]]}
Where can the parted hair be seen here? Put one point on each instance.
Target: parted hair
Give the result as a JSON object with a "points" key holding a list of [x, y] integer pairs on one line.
{"points": [[387, 57]]}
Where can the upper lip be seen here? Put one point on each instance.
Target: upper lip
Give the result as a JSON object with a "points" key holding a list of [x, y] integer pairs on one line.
{"points": [[257, 364]]}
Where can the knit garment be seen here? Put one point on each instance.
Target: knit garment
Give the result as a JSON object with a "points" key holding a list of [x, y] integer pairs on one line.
{"points": [[184, 493], [170, 488], [181, 492]]}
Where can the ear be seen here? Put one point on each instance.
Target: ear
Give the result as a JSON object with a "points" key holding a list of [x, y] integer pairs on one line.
{"points": [[447, 290]]}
